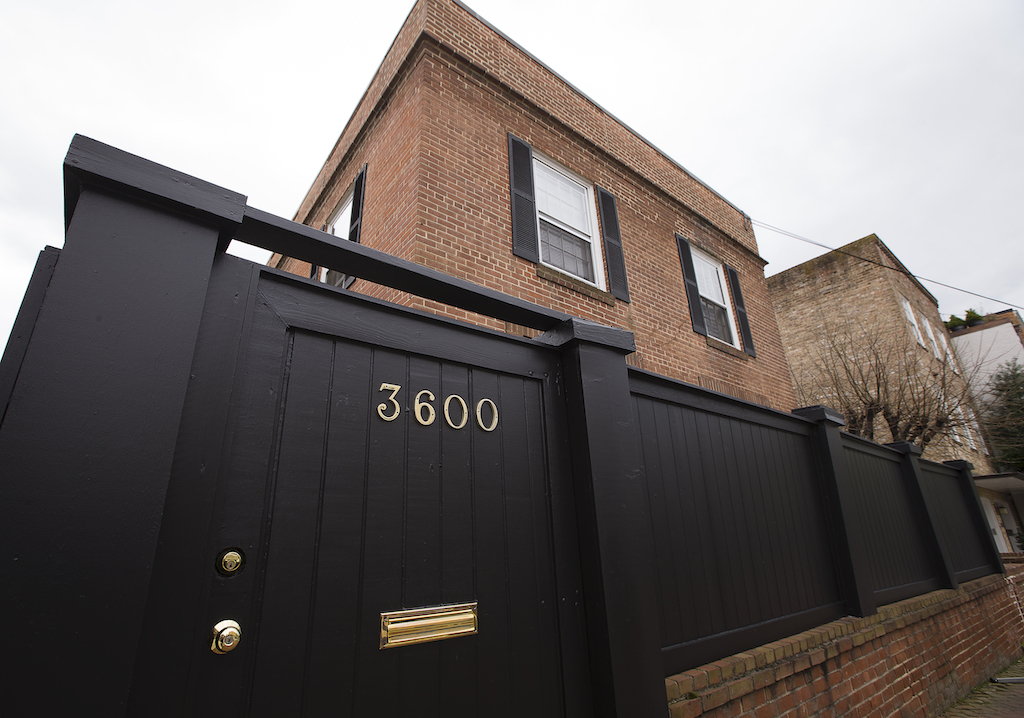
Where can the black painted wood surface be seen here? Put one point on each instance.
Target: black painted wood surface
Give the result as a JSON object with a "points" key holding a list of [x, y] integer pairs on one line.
{"points": [[899, 554], [957, 528], [736, 508], [343, 515]]}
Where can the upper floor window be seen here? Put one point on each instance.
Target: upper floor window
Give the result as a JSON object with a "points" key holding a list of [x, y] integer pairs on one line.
{"points": [[713, 299], [554, 221], [911, 320], [947, 355], [709, 284], [346, 222], [566, 221], [931, 337], [340, 224]]}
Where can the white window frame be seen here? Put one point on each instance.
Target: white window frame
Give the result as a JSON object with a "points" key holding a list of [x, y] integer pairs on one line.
{"points": [[931, 337], [699, 256], [967, 427], [587, 234], [947, 352], [343, 211], [973, 423], [908, 311]]}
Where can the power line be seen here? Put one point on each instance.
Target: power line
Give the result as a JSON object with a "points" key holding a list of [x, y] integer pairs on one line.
{"points": [[879, 264]]}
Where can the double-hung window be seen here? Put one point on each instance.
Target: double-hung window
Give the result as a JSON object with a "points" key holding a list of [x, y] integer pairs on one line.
{"points": [[554, 221], [709, 284], [947, 355], [565, 222], [931, 337], [714, 301], [911, 320], [346, 222]]}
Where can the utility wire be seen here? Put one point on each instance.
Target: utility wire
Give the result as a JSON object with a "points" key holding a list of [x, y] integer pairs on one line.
{"points": [[879, 264]]}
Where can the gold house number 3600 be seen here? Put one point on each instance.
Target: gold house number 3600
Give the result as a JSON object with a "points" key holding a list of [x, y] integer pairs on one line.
{"points": [[424, 411]]}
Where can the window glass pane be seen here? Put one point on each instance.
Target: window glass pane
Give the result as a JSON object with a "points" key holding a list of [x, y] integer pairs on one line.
{"points": [[561, 198], [716, 319], [912, 320], [709, 281], [931, 337], [341, 223], [566, 251]]}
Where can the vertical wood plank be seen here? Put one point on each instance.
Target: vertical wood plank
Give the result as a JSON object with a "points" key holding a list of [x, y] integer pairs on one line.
{"points": [[332, 647], [293, 515]]}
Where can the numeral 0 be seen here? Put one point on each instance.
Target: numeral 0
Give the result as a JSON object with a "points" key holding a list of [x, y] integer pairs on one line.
{"points": [[448, 416]]}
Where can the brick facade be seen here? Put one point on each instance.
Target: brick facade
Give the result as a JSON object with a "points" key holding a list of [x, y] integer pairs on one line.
{"points": [[855, 292], [914, 658], [433, 130]]}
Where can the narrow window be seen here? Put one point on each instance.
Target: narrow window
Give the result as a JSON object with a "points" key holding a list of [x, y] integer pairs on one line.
{"points": [[947, 354], [931, 338], [346, 223], [713, 302], [565, 222], [912, 320]]}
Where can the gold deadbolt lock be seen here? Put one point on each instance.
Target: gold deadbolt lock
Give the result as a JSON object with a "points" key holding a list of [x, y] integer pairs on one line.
{"points": [[226, 636], [230, 561]]}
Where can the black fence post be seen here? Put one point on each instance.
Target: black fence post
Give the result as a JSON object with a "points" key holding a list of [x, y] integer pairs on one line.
{"points": [[90, 431], [852, 568], [970, 489], [617, 545], [926, 513]]}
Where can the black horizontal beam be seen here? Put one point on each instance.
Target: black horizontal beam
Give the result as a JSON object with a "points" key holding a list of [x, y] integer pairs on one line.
{"points": [[98, 164], [268, 231]]}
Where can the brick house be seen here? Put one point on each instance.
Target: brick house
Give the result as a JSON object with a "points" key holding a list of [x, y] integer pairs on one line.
{"points": [[859, 305], [469, 156]]}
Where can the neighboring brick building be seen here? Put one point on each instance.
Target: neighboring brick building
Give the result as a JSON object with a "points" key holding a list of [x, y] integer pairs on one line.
{"points": [[600, 224], [858, 307]]}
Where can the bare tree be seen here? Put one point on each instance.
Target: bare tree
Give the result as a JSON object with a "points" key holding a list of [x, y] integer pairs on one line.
{"points": [[886, 385]]}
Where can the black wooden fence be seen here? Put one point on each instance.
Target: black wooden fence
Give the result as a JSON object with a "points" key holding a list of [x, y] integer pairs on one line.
{"points": [[766, 524], [705, 525]]}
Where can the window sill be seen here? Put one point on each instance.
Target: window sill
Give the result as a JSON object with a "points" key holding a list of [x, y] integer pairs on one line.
{"points": [[727, 348], [570, 282]]}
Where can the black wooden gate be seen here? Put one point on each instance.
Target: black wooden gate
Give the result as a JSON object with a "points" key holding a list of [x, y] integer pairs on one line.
{"points": [[371, 460], [232, 491]]}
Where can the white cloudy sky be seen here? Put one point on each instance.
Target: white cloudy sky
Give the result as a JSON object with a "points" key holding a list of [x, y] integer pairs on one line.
{"points": [[831, 120]]}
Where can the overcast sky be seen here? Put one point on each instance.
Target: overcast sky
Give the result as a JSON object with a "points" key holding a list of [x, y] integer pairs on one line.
{"points": [[830, 120]]}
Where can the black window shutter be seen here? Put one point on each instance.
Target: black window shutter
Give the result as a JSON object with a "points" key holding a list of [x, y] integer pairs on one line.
{"points": [[617, 283], [356, 224], [692, 292], [741, 311], [524, 205]]}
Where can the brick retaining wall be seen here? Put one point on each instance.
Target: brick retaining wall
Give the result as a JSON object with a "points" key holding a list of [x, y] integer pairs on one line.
{"points": [[912, 658]]}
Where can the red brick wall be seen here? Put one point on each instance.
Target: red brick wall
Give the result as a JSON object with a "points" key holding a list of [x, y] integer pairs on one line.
{"points": [[913, 658], [433, 129]]}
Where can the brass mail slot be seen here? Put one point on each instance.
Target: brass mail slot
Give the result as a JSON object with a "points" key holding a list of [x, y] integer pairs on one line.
{"points": [[420, 625]]}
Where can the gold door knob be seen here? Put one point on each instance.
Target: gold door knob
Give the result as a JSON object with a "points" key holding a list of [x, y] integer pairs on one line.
{"points": [[226, 636]]}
